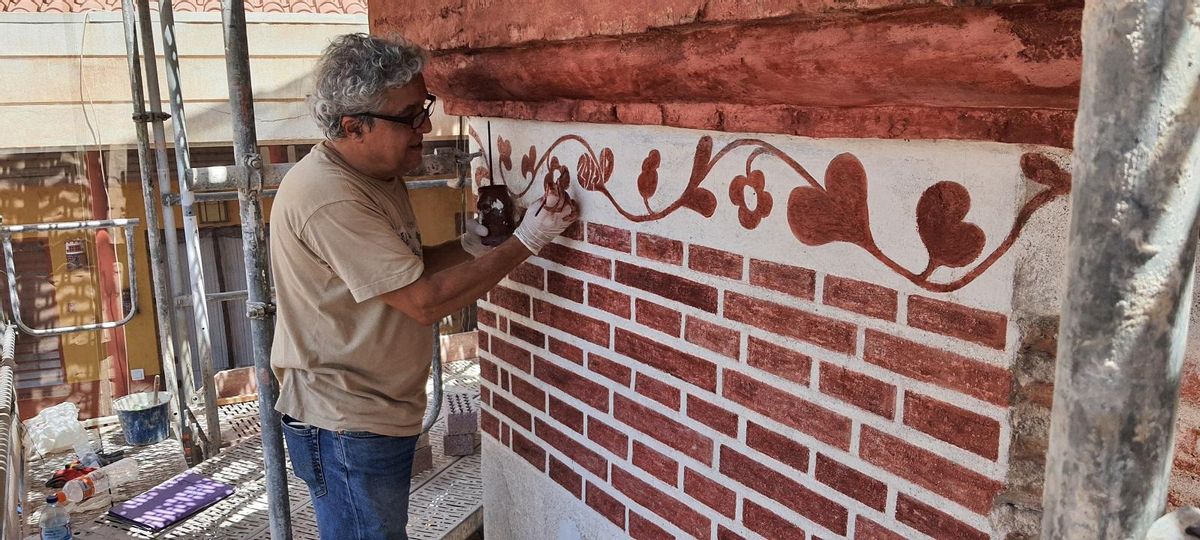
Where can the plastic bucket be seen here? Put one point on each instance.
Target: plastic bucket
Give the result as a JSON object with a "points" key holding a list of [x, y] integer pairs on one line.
{"points": [[145, 417]]}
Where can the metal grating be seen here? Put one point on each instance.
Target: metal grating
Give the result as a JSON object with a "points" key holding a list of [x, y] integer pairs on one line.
{"points": [[446, 501]]}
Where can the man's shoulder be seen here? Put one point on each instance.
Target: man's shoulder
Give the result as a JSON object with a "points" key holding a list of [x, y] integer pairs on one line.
{"points": [[314, 182]]}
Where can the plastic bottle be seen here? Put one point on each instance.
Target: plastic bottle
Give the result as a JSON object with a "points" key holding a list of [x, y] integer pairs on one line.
{"points": [[55, 521], [101, 480], [87, 456]]}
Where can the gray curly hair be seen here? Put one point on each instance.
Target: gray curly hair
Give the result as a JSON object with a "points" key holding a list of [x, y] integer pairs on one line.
{"points": [[353, 74]]}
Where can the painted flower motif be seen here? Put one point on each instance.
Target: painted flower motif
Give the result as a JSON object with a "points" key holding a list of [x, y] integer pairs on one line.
{"points": [[557, 179], [750, 217]]}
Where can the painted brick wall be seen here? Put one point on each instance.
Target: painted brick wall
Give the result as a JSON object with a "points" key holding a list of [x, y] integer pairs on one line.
{"points": [[681, 378]]}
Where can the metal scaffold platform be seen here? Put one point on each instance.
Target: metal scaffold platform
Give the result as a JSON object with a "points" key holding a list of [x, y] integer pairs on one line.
{"points": [[446, 501]]}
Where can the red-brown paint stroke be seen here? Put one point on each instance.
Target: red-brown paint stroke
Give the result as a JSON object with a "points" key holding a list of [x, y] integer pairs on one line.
{"points": [[817, 213]]}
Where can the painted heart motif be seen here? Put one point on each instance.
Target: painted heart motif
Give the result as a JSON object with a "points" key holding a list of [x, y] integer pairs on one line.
{"points": [[950, 240], [528, 161], [837, 213], [594, 175], [1043, 170]]}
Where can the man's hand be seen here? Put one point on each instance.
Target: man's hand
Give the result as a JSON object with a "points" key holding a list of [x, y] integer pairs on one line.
{"points": [[472, 240], [546, 220]]}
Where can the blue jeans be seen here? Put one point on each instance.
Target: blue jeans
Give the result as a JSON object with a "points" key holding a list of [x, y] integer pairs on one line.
{"points": [[359, 481]]}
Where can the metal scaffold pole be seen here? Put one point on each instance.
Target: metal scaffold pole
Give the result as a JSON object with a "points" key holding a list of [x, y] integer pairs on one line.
{"points": [[1135, 203], [163, 306], [259, 305]]}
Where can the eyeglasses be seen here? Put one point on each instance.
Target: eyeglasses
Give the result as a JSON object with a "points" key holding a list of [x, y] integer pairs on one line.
{"points": [[414, 121]]}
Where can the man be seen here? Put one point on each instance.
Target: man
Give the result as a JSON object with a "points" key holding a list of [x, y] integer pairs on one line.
{"points": [[357, 294]]}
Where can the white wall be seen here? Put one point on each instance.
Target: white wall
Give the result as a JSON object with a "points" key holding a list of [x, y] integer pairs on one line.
{"points": [[66, 79]]}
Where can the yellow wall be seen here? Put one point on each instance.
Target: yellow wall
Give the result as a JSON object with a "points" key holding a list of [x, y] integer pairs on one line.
{"points": [[76, 291]]}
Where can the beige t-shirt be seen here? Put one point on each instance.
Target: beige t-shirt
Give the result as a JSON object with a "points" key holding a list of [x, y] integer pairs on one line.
{"points": [[345, 360]]}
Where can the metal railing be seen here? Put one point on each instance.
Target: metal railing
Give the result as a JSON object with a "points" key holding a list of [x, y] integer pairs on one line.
{"points": [[12, 454], [6, 233]]}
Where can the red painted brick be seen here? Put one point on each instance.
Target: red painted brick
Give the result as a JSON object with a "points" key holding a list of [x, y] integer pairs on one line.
{"points": [[485, 395], [984, 327], [684, 291], [686, 367], [784, 490], [933, 522], [709, 492], [529, 393], [713, 337], [502, 323], [483, 340], [485, 317], [566, 320], [865, 529], [589, 460], [505, 434], [609, 300], [926, 469], [860, 297], [658, 465], [793, 280], [769, 524], [665, 320], [608, 437], [865, 489], [566, 287], [610, 237], [579, 260], [527, 334], [504, 297], [837, 336], [789, 409], [641, 528], [862, 391], [529, 274], [511, 354], [606, 505], [565, 350], [490, 424], [658, 391], [503, 406], [659, 249], [489, 371], [715, 261], [683, 516], [616, 371], [779, 361], [504, 380], [726, 534], [943, 368], [574, 231], [663, 429], [784, 449], [964, 429], [565, 477], [712, 416], [568, 415], [574, 385], [529, 451]]}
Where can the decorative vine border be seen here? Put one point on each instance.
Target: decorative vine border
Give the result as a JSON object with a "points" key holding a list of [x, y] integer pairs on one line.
{"points": [[817, 213]]}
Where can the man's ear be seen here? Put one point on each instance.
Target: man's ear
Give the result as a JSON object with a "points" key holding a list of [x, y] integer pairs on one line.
{"points": [[354, 127]]}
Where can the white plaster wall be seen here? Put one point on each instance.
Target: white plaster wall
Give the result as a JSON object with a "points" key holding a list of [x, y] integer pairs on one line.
{"points": [[524, 504], [67, 81]]}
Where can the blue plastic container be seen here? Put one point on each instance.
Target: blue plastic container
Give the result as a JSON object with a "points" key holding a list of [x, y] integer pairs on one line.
{"points": [[145, 417]]}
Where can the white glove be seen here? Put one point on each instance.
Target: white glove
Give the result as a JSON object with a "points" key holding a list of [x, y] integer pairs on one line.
{"points": [[545, 220], [472, 240]]}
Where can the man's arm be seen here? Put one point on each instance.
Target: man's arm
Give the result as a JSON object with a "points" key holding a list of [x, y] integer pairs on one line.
{"points": [[437, 294], [445, 255], [440, 292]]}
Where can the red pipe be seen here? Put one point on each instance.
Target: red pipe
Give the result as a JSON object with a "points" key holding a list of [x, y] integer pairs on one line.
{"points": [[106, 267]]}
